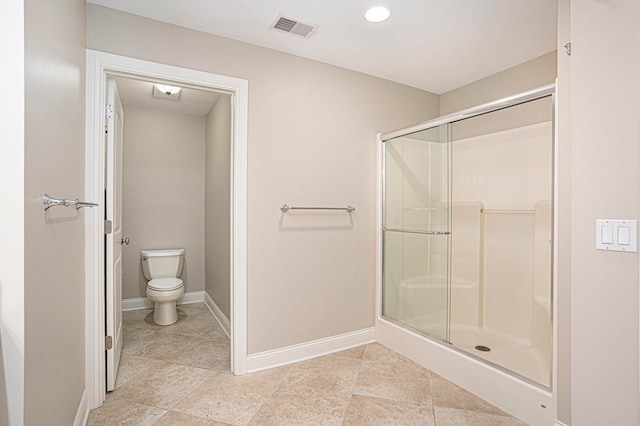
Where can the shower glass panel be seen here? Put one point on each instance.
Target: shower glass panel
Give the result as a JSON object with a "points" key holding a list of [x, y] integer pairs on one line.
{"points": [[416, 231]]}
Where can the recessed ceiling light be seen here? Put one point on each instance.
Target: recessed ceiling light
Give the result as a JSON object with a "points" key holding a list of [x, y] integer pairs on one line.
{"points": [[168, 90], [377, 14]]}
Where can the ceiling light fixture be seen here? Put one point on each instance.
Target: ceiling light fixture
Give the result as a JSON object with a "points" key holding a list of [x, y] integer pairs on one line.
{"points": [[377, 14], [168, 90]]}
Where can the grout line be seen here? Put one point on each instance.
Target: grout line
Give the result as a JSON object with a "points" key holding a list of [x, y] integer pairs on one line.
{"points": [[433, 404], [355, 382]]}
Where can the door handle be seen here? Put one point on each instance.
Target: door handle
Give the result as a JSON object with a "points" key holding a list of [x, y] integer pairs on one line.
{"points": [[124, 241]]}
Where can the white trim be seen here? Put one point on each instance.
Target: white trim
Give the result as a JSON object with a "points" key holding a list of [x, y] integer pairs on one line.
{"points": [[82, 415], [99, 65], [556, 259], [559, 423], [313, 349], [217, 314], [136, 303]]}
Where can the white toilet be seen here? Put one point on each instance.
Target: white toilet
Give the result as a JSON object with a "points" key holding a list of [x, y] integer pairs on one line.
{"points": [[162, 268]]}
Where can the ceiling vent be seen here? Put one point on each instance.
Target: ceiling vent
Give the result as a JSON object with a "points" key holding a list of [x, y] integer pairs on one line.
{"points": [[294, 27]]}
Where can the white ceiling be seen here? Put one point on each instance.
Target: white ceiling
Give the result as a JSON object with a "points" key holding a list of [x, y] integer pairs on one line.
{"points": [[140, 93], [435, 45]]}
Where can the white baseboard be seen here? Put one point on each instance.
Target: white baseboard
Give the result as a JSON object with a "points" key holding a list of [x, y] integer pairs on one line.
{"points": [[218, 314], [82, 415], [558, 423], [144, 303], [313, 349]]}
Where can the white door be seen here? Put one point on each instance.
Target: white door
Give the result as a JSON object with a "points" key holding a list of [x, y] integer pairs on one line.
{"points": [[114, 239]]}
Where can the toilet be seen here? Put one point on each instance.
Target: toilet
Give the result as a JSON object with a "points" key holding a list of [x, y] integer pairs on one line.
{"points": [[162, 268]]}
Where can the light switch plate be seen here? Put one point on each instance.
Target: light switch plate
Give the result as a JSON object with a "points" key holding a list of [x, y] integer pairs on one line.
{"points": [[617, 235]]}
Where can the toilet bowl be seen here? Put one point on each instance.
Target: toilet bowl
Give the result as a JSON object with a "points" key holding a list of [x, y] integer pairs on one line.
{"points": [[162, 268]]}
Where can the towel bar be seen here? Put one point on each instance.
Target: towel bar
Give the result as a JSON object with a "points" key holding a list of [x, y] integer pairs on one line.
{"points": [[285, 208]]}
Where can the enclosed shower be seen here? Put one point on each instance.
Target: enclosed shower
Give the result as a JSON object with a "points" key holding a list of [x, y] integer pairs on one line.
{"points": [[467, 233]]}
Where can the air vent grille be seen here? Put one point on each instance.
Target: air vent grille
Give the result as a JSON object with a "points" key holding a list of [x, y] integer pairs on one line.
{"points": [[285, 24], [294, 27]]}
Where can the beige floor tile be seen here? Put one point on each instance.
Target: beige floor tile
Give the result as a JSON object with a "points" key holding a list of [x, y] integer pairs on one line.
{"points": [[393, 377], [136, 335], [133, 366], [157, 345], [135, 315], [200, 324], [455, 417], [370, 411], [210, 353], [116, 411], [295, 404], [141, 318], [193, 308], [163, 387], [185, 367], [357, 353], [173, 418], [447, 395], [378, 352], [328, 373], [228, 398]]}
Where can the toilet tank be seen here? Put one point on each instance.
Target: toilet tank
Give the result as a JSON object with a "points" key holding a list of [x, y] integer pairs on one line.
{"points": [[162, 263]]}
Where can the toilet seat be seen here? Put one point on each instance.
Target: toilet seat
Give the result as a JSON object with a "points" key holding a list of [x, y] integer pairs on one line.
{"points": [[165, 284]]}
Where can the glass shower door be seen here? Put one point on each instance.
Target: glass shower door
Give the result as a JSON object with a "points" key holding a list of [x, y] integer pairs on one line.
{"points": [[416, 231]]}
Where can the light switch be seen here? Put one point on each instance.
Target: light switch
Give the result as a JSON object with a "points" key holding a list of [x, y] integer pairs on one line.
{"points": [[607, 234], [623, 235], [617, 235]]}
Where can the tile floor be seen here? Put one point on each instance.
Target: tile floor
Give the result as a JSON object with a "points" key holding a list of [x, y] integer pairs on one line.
{"points": [[180, 375]]}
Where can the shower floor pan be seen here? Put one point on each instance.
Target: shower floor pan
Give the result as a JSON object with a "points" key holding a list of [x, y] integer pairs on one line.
{"points": [[505, 351]]}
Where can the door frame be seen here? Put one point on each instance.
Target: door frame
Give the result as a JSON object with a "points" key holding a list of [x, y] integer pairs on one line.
{"points": [[99, 65]]}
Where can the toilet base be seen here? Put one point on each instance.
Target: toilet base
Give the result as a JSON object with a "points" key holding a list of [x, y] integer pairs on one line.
{"points": [[165, 313]]}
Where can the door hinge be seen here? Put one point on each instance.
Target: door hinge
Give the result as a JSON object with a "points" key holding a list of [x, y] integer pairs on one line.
{"points": [[108, 113], [108, 227], [567, 48], [108, 343]]}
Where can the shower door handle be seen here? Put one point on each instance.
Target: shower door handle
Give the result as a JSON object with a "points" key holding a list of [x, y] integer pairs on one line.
{"points": [[411, 231]]}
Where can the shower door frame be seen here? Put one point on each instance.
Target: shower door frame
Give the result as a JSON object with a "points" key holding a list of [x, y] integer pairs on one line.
{"points": [[507, 390], [446, 234]]}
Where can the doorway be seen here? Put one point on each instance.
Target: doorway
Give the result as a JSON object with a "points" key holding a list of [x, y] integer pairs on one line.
{"points": [[100, 67]]}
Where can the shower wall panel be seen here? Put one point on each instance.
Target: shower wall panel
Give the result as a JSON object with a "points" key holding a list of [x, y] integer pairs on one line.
{"points": [[466, 261], [506, 169], [501, 245]]}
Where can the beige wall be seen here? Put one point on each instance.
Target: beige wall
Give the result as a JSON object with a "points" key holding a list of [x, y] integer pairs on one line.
{"points": [[218, 204], [163, 192], [54, 241], [605, 178], [12, 194], [535, 73], [312, 132]]}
